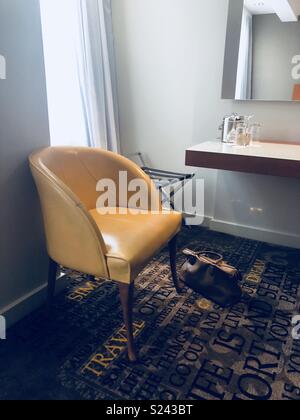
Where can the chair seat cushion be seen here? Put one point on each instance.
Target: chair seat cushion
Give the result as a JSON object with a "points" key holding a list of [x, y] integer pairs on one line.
{"points": [[132, 239]]}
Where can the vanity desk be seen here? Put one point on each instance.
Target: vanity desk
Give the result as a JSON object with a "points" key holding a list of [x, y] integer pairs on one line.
{"points": [[265, 158]]}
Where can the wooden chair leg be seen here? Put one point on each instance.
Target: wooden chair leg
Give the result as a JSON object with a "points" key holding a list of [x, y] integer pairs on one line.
{"points": [[173, 255], [127, 295], [53, 267]]}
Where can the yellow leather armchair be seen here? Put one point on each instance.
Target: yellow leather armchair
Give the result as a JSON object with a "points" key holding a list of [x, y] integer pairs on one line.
{"points": [[114, 245]]}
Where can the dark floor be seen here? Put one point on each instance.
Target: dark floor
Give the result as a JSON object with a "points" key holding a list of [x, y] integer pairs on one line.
{"points": [[189, 348]]}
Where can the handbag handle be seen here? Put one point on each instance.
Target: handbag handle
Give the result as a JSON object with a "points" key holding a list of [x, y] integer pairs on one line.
{"points": [[204, 254], [220, 263]]}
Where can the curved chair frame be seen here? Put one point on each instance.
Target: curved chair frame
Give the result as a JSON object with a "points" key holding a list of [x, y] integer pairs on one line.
{"points": [[66, 181]]}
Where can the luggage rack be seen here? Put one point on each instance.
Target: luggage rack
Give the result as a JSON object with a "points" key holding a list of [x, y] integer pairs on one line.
{"points": [[164, 180]]}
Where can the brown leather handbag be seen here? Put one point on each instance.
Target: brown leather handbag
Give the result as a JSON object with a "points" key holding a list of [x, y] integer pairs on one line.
{"points": [[208, 274]]}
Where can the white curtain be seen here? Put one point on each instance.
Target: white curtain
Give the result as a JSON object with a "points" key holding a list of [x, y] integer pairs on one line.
{"points": [[97, 73], [244, 73]]}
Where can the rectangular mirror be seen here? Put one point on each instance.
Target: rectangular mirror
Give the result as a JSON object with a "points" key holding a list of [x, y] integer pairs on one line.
{"points": [[262, 53]]}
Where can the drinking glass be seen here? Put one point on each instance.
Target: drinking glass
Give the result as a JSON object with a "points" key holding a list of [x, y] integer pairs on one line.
{"points": [[255, 130], [243, 137]]}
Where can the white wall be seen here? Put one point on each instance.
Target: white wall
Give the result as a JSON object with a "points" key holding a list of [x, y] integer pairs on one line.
{"points": [[170, 63], [23, 128]]}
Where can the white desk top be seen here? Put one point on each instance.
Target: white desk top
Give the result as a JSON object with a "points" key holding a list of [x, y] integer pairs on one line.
{"points": [[260, 150], [277, 159]]}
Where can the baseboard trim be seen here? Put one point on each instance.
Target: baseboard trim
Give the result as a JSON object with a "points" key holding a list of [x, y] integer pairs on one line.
{"points": [[205, 220], [23, 306], [249, 232]]}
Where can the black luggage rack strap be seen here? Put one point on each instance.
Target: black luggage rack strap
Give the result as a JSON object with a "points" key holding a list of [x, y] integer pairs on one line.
{"points": [[159, 174]]}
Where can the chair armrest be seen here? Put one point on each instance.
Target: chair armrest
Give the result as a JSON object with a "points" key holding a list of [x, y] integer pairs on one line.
{"points": [[73, 238]]}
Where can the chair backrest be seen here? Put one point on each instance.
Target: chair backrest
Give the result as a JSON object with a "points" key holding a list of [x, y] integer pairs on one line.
{"points": [[64, 185], [66, 178]]}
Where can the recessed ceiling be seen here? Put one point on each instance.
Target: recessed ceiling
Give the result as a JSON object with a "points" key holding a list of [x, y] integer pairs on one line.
{"points": [[259, 7]]}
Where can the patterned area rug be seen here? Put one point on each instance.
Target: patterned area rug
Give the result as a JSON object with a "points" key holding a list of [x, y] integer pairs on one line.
{"points": [[190, 349]]}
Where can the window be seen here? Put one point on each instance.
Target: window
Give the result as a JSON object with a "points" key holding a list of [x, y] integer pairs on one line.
{"points": [[60, 35]]}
